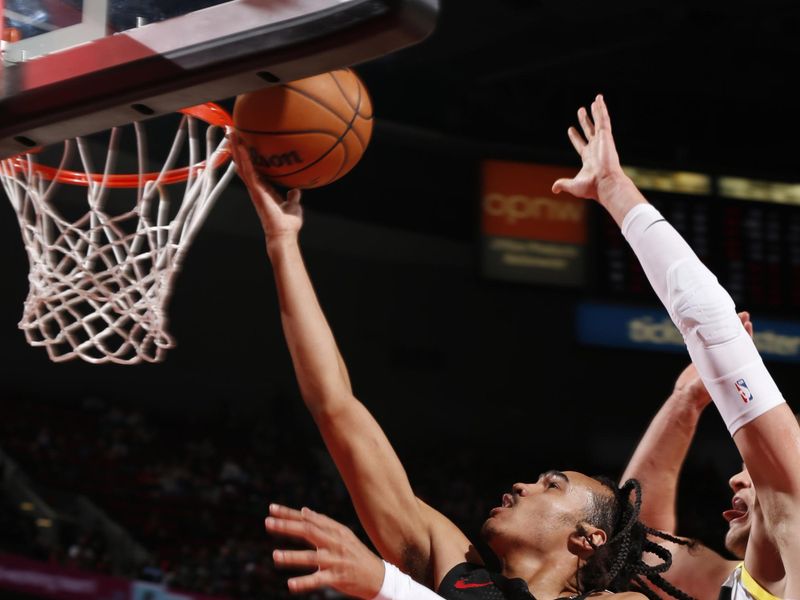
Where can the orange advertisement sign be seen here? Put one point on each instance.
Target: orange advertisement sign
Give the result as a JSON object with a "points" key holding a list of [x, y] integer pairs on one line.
{"points": [[517, 202]]}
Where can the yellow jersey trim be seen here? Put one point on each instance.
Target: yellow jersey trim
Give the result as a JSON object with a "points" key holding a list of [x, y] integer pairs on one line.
{"points": [[754, 588]]}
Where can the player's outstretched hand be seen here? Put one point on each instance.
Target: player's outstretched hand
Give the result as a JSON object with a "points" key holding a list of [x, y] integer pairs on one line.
{"points": [[280, 217], [597, 151], [342, 561]]}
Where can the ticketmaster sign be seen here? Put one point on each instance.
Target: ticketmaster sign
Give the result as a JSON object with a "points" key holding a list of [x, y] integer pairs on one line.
{"points": [[645, 328]]}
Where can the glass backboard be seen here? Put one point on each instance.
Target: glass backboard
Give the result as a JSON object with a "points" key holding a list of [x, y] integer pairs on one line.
{"points": [[73, 67]]}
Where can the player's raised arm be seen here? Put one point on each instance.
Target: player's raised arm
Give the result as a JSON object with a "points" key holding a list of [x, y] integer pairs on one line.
{"points": [[404, 530], [660, 454], [657, 464], [763, 427]]}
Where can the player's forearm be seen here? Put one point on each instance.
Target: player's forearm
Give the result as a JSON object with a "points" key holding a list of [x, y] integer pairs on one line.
{"points": [[770, 447], [377, 484], [721, 350], [362, 453], [659, 457], [315, 356]]}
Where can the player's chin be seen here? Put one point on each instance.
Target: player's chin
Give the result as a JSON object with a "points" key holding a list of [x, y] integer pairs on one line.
{"points": [[736, 539], [489, 529]]}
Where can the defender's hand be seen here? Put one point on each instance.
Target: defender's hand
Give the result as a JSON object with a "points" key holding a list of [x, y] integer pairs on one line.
{"points": [[280, 218], [341, 560], [597, 151]]}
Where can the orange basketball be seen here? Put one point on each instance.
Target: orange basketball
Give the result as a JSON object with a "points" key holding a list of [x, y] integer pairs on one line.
{"points": [[309, 132]]}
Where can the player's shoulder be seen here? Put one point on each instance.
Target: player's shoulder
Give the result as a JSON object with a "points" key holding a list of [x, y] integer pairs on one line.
{"points": [[620, 595]]}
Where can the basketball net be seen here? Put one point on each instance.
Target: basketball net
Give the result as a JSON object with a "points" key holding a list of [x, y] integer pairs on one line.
{"points": [[100, 283]]}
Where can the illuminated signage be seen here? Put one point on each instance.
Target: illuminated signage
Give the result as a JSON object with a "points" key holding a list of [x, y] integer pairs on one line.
{"points": [[645, 328], [676, 182], [764, 191], [529, 233]]}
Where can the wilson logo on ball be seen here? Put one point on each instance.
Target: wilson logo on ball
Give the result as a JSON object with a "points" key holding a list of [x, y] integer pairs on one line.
{"points": [[308, 132], [275, 160]]}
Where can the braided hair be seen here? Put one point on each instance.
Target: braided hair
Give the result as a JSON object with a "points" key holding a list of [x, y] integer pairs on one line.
{"points": [[617, 565]]}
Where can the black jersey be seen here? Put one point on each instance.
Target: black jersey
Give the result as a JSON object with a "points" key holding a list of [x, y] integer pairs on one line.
{"points": [[466, 581]]}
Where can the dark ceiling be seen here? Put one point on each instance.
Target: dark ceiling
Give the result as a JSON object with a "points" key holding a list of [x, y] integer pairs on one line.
{"points": [[706, 85]]}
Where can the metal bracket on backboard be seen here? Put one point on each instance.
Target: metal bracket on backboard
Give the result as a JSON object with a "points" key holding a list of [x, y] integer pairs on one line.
{"points": [[92, 26]]}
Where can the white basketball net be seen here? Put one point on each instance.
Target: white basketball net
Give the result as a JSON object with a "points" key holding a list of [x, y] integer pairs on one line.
{"points": [[100, 284]]}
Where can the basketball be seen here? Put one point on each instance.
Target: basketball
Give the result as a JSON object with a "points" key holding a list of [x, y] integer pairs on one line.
{"points": [[309, 132]]}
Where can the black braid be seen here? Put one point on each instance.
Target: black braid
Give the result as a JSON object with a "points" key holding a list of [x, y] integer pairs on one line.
{"points": [[670, 538], [617, 565]]}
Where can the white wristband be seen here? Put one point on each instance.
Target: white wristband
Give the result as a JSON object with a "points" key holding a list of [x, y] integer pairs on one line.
{"points": [[399, 586]]}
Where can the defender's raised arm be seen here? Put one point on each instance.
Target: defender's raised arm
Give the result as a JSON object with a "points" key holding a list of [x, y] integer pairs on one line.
{"points": [[763, 427]]}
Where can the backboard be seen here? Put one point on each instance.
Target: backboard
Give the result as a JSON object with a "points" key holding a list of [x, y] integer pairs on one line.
{"points": [[73, 67]]}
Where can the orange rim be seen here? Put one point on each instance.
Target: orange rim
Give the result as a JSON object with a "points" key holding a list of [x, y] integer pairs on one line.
{"points": [[211, 113]]}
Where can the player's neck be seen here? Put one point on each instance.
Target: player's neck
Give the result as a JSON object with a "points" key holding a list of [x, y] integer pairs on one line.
{"points": [[548, 575]]}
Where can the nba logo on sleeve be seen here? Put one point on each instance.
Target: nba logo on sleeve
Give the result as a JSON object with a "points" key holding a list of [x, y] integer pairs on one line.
{"points": [[744, 391]]}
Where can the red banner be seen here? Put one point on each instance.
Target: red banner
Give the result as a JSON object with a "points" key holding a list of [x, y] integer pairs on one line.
{"points": [[517, 202], [530, 234]]}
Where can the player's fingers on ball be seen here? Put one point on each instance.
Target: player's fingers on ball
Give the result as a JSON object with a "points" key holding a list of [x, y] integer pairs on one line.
{"points": [[235, 151], [240, 157], [296, 558], [234, 139], [270, 198], [294, 196], [308, 583], [270, 191], [245, 166]]}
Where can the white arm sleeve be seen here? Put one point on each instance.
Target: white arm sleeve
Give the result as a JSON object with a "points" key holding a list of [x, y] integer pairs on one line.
{"points": [[725, 356], [399, 586]]}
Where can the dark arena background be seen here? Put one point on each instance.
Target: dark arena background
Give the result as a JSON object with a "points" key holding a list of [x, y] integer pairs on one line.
{"points": [[493, 335]]}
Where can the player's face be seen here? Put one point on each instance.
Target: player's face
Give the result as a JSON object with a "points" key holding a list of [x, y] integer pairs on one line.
{"points": [[540, 516], [738, 516]]}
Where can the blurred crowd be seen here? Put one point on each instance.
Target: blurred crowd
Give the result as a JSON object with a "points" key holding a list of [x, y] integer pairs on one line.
{"points": [[193, 494]]}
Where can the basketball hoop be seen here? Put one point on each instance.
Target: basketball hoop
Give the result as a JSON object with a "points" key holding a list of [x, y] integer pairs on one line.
{"points": [[100, 281]]}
